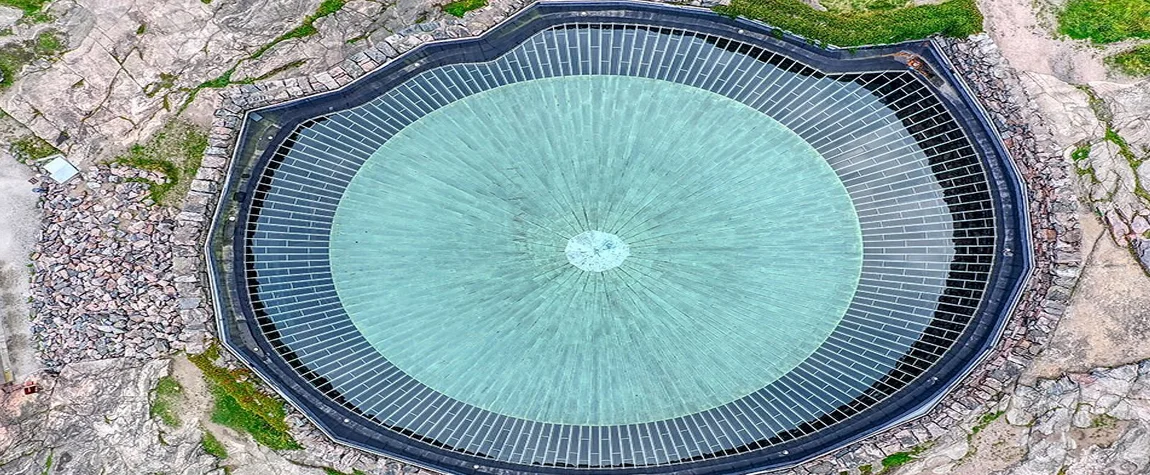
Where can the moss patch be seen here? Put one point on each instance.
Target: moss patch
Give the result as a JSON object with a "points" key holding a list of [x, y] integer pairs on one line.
{"points": [[240, 404], [30, 148], [459, 8], [14, 56], [213, 446], [332, 471], [958, 18], [164, 399], [986, 419], [174, 152], [33, 9], [1081, 153], [1105, 21], [899, 459]]}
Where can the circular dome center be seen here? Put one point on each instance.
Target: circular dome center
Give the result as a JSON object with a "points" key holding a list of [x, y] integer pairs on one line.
{"points": [[597, 251]]}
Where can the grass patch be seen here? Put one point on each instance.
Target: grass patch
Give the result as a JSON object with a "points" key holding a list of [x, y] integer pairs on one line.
{"points": [[306, 27], [862, 5], [958, 18], [164, 399], [30, 148], [460, 7], [213, 446], [174, 152], [239, 404], [1105, 21], [14, 56], [1135, 62]]}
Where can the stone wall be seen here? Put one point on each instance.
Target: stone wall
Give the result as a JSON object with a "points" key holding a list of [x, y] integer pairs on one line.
{"points": [[1055, 228]]}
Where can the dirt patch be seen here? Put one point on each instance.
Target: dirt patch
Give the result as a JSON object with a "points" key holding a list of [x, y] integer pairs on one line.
{"points": [[997, 446], [1103, 433], [1023, 30]]}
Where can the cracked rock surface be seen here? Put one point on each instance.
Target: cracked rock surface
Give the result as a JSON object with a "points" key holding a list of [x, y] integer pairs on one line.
{"points": [[1095, 422], [93, 419], [132, 66]]}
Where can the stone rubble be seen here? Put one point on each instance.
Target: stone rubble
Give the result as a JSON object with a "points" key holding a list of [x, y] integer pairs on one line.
{"points": [[103, 283]]}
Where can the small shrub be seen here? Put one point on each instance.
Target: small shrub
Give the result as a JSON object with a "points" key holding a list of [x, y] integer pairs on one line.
{"points": [[460, 7], [164, 399]]}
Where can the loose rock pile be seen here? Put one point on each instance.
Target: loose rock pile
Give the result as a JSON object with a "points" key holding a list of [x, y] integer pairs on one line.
{"points": [[103, 284]]}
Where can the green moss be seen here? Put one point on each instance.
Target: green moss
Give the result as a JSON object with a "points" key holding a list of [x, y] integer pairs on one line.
{"points": [[899, 459], [1105, 21], [866, 469], [1104, 420], [460, 7], [958, 18], [14, 56], [30, 148], [986, 420], [332, 471], [32, 9], [213, 446], [166, 82], [1081, 153], [1134, 62], [48, 464], [164, 399], [240, 404], [49, 43], [174, 152], [142, 29]]}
